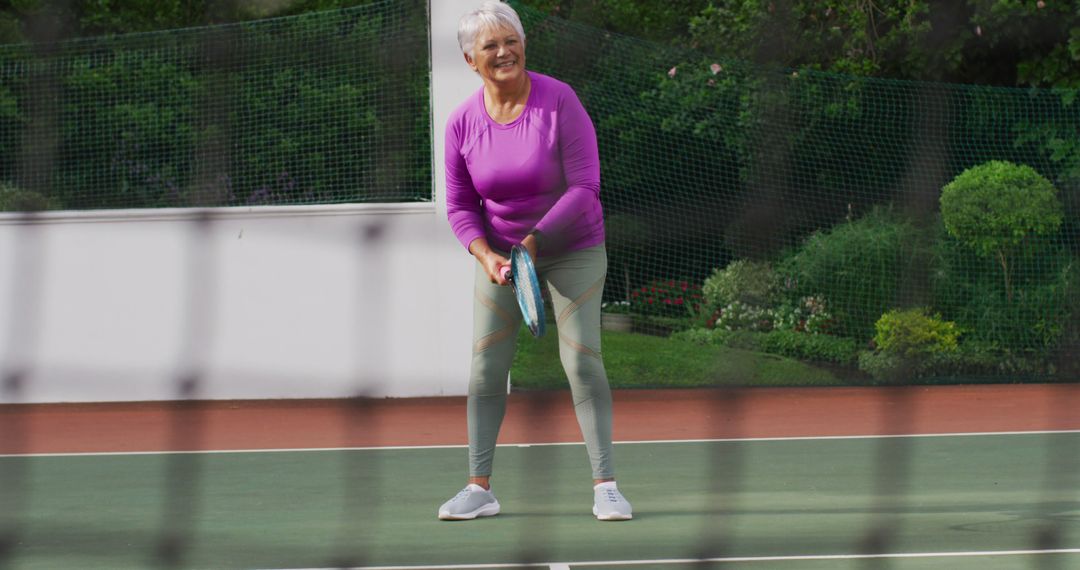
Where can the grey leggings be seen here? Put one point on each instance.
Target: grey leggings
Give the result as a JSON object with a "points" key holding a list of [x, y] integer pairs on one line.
{"points": [[576, 283]]}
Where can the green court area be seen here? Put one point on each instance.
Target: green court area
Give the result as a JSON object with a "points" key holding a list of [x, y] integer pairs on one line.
{"points": [[954, 502]]}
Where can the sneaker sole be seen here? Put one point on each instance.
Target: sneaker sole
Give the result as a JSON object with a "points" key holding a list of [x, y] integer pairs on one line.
{"points": [[488, 510], [611, 517]]}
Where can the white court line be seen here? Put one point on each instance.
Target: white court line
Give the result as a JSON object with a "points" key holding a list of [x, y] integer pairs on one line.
{"points": [[731, 559], [628, 442], [525, 445]]}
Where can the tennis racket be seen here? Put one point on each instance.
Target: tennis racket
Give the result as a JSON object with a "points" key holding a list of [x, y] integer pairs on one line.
{"points": [[522, 277]]}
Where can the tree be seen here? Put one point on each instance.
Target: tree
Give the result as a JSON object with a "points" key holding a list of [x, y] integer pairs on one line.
{"points": [[996, 207]]}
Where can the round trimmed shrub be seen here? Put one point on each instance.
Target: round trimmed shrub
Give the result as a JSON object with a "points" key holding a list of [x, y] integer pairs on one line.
{"points": [[994, 206]]}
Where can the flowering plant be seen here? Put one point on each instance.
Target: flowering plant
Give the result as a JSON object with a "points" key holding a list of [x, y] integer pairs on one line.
{"points": [[616, 307], [669, 298], [737, 315], [809, 315]]}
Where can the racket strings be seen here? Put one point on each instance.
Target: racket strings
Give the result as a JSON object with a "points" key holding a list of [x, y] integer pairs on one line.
{"points": [[528, 288]]}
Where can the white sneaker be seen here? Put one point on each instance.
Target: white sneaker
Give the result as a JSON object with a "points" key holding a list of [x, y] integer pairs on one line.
{"points": [[471, 502], [609, 504]]}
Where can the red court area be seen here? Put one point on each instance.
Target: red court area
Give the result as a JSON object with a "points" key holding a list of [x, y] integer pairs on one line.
{"points": [[536, 417]]}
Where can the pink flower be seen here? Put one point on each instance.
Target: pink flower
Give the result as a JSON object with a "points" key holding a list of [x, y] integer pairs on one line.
{"points": [[671, 73], [1041, 4], [711, 82], [715, 68], [978, 31]]}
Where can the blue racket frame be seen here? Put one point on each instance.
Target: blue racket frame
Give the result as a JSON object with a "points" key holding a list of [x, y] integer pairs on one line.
{"points": [[522, 270]]}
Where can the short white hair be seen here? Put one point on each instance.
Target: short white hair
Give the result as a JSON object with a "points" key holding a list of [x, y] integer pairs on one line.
{"points": [[490, 14]]}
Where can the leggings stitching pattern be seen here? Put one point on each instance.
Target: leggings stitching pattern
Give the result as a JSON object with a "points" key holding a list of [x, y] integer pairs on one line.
{"points": [[499, 335], [569, 310]]}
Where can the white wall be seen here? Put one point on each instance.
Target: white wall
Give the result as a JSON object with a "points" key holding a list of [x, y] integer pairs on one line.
{"points": [[271, 302]]}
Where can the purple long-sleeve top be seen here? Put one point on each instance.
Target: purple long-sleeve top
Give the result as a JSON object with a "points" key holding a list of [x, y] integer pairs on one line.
{"points": [[540, 172]]}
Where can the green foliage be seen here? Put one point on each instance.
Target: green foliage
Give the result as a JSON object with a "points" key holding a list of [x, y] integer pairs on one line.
{"points": [[10, 29], [147, 103], [229, 116], [739, 316], [971, 362], [617, 307], [999, 42], [857, 267], [912, 333], [810, 347], [626, 237], [746, 295], [749, 282], [13, 199], [648, 19], [886, 366], [849, 37], [125, 16], [813, 348], [996, 206], [109, 17], [806, 315], [1040, 40], [967, 288]]}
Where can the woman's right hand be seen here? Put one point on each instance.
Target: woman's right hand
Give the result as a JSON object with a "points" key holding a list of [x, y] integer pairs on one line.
{"points": [[490, 260]]}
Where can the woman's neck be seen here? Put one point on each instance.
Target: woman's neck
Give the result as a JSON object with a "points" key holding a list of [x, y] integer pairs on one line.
{"points": [[505, 102]]}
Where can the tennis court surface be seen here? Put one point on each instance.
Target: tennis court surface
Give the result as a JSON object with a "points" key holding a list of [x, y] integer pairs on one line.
{"points": [[793, 479]]}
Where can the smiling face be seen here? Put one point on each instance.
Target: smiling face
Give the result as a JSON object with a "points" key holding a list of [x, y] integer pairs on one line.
{"points": [[498, 56]]}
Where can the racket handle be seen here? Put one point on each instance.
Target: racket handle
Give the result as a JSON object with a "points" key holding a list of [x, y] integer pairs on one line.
{"points": [[505, 272]]}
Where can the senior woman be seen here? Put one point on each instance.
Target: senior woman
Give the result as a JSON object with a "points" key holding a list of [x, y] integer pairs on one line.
{"points": [[522, 167]]}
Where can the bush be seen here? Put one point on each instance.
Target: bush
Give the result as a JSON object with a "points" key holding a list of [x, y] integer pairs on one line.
{"points": [[147, 121], [857, 267], [737, 316], [968, 289], [14, 199], [913, 332], [808, 314], [970, 362], [814, 347], [995, 207], [747, 282], [910, 343]]}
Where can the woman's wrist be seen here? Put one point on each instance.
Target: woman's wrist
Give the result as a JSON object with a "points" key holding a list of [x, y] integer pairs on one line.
{"points": [[533, 242], [479, 248]]}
